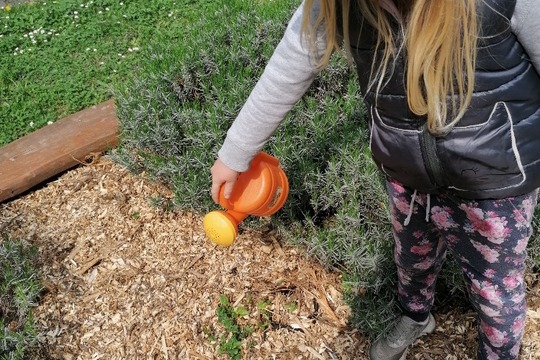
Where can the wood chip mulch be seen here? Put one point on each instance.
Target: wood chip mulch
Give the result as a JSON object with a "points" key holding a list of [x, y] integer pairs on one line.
{"points": [[126, 280]]}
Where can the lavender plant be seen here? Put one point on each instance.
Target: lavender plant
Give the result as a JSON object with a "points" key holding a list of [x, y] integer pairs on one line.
{"points": [[20, 287], [174, 117]]}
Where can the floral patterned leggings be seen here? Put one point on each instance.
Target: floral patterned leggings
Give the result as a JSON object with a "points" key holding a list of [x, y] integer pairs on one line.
{"points": [[488, 239]]}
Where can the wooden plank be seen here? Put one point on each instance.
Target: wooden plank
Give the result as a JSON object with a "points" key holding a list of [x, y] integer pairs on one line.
{"points": [[34, 158]]}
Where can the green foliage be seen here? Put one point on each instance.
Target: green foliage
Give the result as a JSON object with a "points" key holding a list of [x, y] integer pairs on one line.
{"points": [[291, 307], [265, 316], [58, 57], [238, 324], [533, 250], [231, 343], [175, 113], [20, 287], [174, 116]]}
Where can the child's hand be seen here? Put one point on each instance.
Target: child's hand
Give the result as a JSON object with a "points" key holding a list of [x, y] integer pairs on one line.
{"points": [[222, 175]]}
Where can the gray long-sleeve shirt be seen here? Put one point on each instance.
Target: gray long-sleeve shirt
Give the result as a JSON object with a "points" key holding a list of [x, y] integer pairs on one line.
{"points": [[291, 70]]}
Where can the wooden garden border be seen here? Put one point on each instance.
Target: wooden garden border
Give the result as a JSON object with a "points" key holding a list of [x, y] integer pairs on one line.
{"points": [[34, 158]]}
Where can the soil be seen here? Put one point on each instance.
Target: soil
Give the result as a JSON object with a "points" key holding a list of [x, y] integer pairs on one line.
{"points": [[128, 280]]}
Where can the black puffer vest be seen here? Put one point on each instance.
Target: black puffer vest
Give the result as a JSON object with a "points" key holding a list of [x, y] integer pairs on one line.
{"points": [[494, 151]]}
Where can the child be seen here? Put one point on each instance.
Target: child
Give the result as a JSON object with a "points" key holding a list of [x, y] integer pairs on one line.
{"points": [[453, 95]]}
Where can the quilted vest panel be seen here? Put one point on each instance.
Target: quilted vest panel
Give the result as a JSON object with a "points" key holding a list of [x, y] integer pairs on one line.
{"points": [[494, 151]]}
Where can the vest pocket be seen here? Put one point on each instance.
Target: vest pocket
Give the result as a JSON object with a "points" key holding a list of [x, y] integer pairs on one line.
{"points": [[397, 152], [483, 157]]}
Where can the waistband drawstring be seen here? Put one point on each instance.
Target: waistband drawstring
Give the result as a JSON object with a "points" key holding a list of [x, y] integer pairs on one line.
{"points": [[411, 208], [428, 207]]}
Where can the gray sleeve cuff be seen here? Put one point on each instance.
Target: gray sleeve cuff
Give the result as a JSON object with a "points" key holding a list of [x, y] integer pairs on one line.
{"points": [[234, 157]]}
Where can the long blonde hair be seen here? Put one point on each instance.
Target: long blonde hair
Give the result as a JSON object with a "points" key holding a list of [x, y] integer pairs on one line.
{"points": [[439, 37]]}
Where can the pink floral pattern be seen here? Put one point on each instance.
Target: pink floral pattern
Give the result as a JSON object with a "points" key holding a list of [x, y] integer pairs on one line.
{"points": [[489, 254], [488, 238], [486, 223], [442, 217]]}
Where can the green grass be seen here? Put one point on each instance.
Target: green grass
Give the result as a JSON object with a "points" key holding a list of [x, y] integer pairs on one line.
{"points": [[58, 57], [179, 89]]}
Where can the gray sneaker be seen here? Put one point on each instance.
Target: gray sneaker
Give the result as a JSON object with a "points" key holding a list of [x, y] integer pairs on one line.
{"points": [[394, 345]]}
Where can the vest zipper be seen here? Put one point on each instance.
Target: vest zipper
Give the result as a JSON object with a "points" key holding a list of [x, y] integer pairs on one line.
{"points": [[428, 146]]}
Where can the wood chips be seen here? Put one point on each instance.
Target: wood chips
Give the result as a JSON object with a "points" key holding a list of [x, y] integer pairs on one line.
{"points": [[126, 280]]}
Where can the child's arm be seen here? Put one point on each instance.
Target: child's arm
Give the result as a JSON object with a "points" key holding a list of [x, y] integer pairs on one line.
{"points": [[287, 76], [526, 26]]}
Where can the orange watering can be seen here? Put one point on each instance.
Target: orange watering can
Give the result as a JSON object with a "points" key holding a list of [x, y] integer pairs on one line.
{"points": [[261, 191]]}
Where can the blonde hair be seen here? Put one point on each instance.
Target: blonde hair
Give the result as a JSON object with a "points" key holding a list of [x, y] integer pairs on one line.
{"points": [[439, 37]]}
